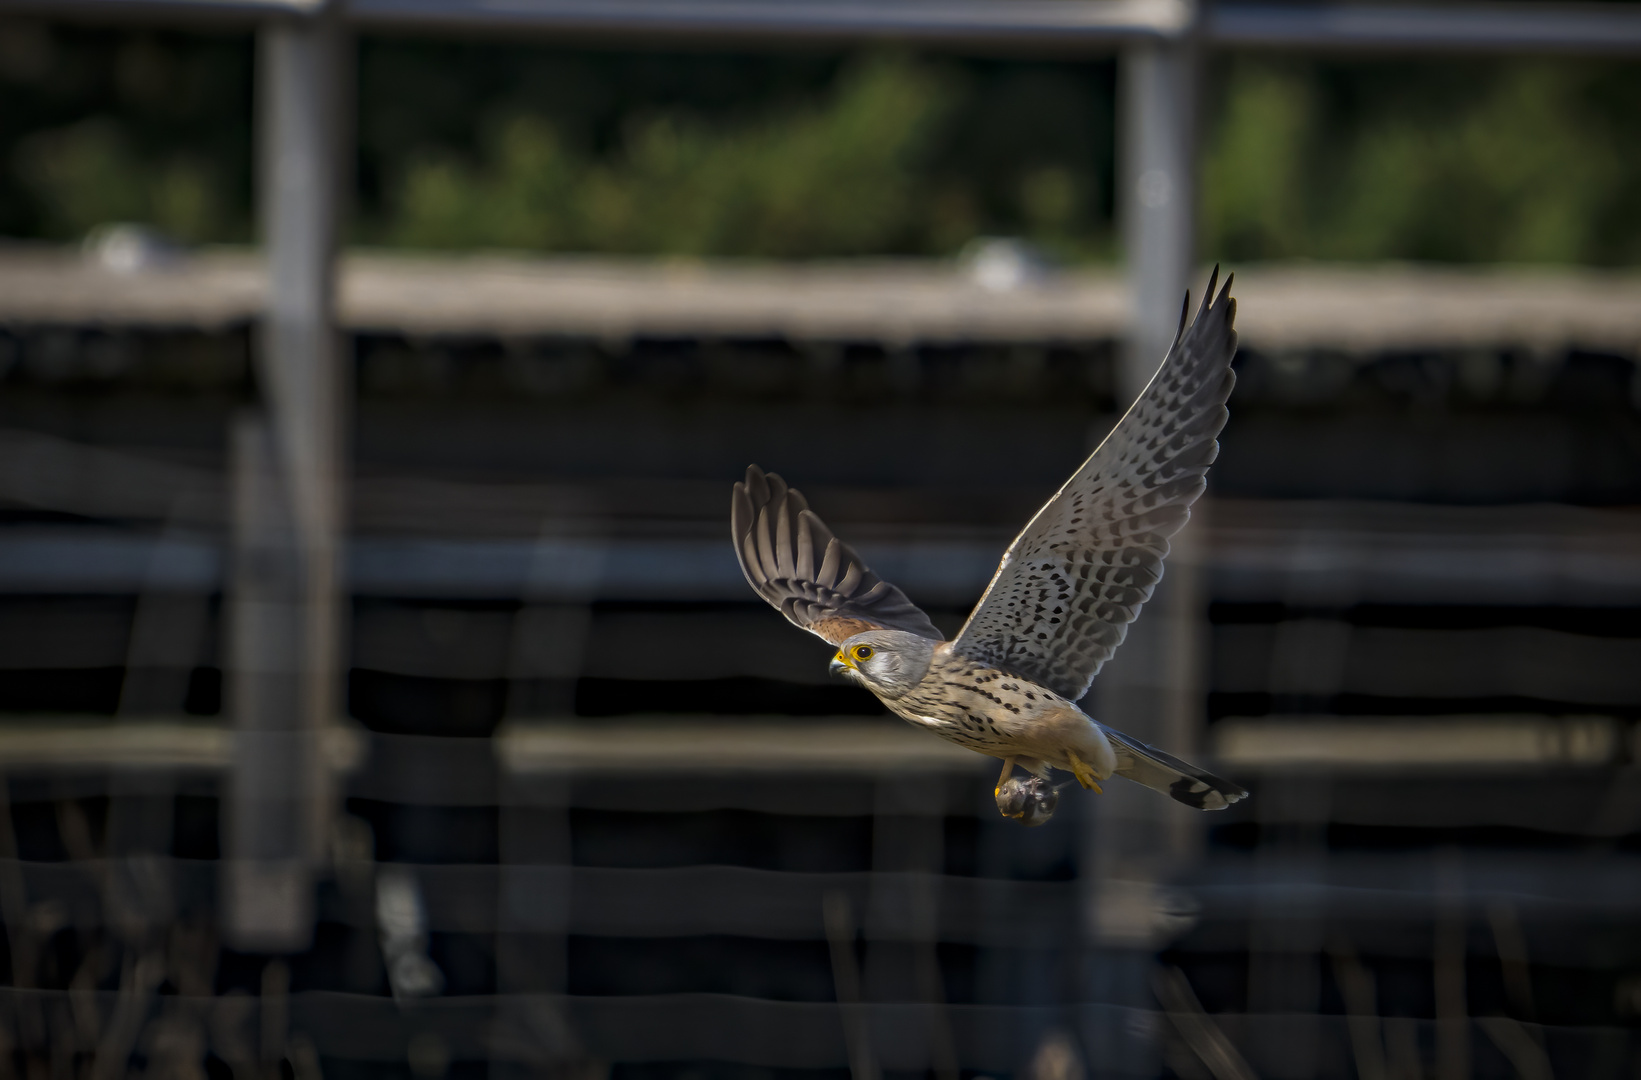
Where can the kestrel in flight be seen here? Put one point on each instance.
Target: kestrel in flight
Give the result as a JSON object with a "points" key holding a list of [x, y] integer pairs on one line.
{"points": [[1056, 609]]}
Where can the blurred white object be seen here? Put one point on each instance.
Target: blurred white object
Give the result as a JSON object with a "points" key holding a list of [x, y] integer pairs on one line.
{"points": [[124, 248], [1057, 1058], [401, 920], [1003, 263]]}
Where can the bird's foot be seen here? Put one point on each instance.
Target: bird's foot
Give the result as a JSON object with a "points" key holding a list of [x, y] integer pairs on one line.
{"points": [[1008, 768], [1085, 775]]}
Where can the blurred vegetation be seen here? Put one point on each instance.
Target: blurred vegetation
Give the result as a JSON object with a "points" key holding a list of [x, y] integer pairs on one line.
{"points": [[787, 154], [1512, 161], [836, 177], [795, 154], [110, 126]]}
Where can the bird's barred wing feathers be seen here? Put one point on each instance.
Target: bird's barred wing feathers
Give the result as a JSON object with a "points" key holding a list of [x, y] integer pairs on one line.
{"points": [[1076, 576], [816, 580]]}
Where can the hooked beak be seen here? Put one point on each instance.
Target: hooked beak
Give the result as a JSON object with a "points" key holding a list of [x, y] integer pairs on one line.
{"points": [[840, 667]]}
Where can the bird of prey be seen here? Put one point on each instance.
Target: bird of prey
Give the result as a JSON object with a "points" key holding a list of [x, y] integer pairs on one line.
{"points": [[1056, 609]]}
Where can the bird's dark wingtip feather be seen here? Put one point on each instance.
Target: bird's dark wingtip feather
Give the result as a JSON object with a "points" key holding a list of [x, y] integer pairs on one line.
{"points": [[757, 484]]}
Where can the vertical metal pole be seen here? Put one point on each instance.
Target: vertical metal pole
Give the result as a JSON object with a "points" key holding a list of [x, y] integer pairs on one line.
{"points": [[902, 916], [1157, 90], [1137, 840], [287, 611], [1133, 841], [269, 883], [550, 634]]}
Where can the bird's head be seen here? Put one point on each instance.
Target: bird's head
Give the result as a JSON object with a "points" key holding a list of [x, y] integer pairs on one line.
{"points": [[886, 662]]}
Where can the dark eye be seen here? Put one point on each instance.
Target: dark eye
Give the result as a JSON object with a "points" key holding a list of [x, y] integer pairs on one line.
{"points": [[863, 652]]}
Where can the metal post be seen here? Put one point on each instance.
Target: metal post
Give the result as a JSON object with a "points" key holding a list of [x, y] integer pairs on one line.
{"points": [[290, 469], [1156, 196], [269, 857], [550, 634], [1138, 841], [1133, 841]]}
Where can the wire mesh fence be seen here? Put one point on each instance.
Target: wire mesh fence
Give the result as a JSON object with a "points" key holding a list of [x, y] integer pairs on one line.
{"points": [[592, 811]]}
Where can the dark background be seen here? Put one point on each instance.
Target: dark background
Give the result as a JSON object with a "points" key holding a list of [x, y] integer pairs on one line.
{"points": [[812, 155]]}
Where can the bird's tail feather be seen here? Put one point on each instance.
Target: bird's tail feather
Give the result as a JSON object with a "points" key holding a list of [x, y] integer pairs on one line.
{"points": [[1177, 779]]}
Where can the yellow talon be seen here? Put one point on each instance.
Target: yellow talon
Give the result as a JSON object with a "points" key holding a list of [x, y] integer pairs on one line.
{"points": [[1008, 767], [1085, 776]]}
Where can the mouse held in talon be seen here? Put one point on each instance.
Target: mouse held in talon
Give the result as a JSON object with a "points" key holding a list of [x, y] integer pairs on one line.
{"points": [[1030, 800]]}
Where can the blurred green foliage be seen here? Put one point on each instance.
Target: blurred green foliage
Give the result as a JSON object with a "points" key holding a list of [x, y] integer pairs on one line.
{"points": [[1518, 161], [785, 154], [100, 126], [837, 177], [796, 154]]}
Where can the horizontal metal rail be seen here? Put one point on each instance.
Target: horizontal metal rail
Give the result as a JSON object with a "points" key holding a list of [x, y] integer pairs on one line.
{"points": [[1495, 27], [40, 561], [1359, 311], [779, 905], [179, 12], [1398, 744], [1059, 23], [692, 763], [71, 743], [990, 25], [665, 746]]}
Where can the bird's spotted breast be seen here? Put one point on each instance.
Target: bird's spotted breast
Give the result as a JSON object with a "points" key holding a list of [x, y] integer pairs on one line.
{"points": [[978, 707]]}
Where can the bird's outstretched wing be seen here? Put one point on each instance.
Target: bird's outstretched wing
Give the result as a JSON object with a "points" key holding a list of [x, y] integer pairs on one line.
{"points": [[1067, 588], [816, 580]]}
